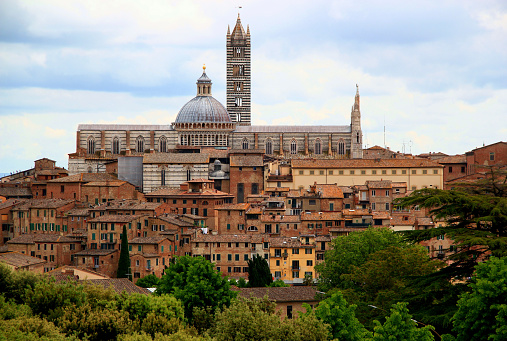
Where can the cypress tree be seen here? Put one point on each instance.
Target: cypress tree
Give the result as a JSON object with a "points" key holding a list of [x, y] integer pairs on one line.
{"points": [[124, 261], [259, 274]]}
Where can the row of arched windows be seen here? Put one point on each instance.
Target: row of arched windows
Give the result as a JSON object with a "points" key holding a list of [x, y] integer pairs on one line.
{"points": [[294, 146], [115, 145]]}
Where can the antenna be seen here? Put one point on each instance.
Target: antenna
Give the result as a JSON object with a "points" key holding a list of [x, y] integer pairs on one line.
{"points": [[385, 131]]}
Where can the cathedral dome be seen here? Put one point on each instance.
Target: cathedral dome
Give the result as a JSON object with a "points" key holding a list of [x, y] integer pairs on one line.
{"points": [[203, 108]]}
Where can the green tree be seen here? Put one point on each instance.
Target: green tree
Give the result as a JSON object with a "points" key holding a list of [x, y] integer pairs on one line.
{"points": [[124, 261], [482, 313], [149, 281], [341, 317], [400, 326], [196, 283], [278, 283], [353, 250], [259, 274], [14, 283]]}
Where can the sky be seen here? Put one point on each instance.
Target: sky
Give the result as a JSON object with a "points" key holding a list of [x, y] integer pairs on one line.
{"points": [[432, 74]]}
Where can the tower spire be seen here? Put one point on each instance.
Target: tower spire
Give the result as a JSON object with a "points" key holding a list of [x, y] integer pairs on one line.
{"points": [[356, 102]]}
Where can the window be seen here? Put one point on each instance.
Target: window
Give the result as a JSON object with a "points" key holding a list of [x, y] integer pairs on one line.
{"points": [[244, 144], [492, 156], [162, 177], [352, 172], [384, 171], [403, 171], [295, 251], [387, 192], [373, 193], [308, 251], [309, 262], [236, 257], [373, 206], [312, 202], [435, 171], [312, 172], [414, 171], [363, 172], [255, 188], [330, 172], [393, 171], [91, 145], [450, 169], [278, 252], [425, 171], [321, 172], [318, 147], [269, 146], [162, 145], [140, 144], [341, 147], [387, 206], [340, 172], [278, 274], [293, 147], [115, 148], [374, 172], [301, 172], [229, 257], [289, 307]]}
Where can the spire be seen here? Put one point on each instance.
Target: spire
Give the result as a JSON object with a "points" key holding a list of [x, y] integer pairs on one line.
{"points": [[247, 30], [228, 30], [356, 103], [238, 32]]}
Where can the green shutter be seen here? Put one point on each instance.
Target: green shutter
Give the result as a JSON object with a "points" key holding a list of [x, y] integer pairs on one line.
{"points": [[31, 227], [228, 226], [175, 248], [93, 235]]}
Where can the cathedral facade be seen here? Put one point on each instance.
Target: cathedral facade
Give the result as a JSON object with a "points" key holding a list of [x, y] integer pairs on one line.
{"points": [[204, 123]]}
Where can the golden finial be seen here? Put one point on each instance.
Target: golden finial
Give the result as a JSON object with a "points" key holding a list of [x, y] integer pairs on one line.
{"points": [[203, 67]]}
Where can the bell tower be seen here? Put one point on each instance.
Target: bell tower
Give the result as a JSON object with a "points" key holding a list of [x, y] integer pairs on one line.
{"points": [[356, 138], [238, 74]]}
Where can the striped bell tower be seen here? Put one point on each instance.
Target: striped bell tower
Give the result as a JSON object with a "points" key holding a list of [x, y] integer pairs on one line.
{"points": [[238, 74]]}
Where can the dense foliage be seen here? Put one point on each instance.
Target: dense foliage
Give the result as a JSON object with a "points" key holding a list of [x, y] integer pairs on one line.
{"points": [[195, 282], [259, 274]]}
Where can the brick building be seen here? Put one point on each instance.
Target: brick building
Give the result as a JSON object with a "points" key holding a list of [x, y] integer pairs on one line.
{"points": [[491, 155], [246, 171], [102, 261], [54, 249], [150, 255]]}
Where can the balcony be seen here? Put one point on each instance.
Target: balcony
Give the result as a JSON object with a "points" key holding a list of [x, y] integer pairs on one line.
{"points": [[295, 267]]}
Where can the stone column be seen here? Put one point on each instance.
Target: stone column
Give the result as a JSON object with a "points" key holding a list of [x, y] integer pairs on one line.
{"points": [[306, 144], [330, 144], [256, 144], [102, 143], [152, 141], [281, 144], [127, 141]]}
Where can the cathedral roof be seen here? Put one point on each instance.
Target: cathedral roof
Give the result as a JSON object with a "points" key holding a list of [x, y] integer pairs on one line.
{"points": [[238, 32], [203, 109]]}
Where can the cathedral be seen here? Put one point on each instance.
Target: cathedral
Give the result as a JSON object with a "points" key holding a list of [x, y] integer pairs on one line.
{"points": [[206, 126]]}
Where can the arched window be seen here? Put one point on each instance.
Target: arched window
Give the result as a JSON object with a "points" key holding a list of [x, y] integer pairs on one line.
{"points": [[163, 145], [91, 145], [341, 147], [115, 149], [293, 147], [140, 144], [90, 170], [318, 147], [244, 144], [253, 228], [269, 146], [358, 137], [189, 175], [162, 177]]}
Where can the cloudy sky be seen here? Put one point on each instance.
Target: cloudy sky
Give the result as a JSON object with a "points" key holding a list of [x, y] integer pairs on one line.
{"points": [[434, 71]]}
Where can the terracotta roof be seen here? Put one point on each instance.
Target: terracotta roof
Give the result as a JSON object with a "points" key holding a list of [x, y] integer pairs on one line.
{"points": [[324, 238], [60, 272], [174, 219], [376, 148], [94, 252], [381, 215], [346, 229], [453, 159], [176, 158], [11, 202], [215, 153], [228, 238], [114, 218], [41, 238], [346, 189], [127, 204], [15, 192], [277, 189], [246, 161], [282, 294], [364, 163], [200, 180], [147, 240], [254, 210], [19, 260], [379, 184], [84, 177], [120, 285], [232, 207], [176, 192], [399, 184], [78, 212], [425, 221], [321, 216], [113, 183], [329, 191], [286, 242]]}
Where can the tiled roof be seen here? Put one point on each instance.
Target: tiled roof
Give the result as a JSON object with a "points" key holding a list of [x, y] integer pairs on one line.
{"points": [[246, 161], [246, 151], [254, 210], [403, 220], [282, 294], [379, 184], [15, 192], [329, 191], [176, 192], [147, 240], [11, 202], [238, 207], [127, 204], [285, 242], [321, 216], [364, 163], [114, 218], [123, 127], [120, 285], [200, 180], [19, 260], [293, 129], [381, 215], [32, 238], [173, 219], [376, 148], [324, 238], [275, 218], [94, 252], [84, 177], [399, 184], [294, 193], [228, 238], [277, 189], [215, 153], [453, 159], [425, 221], [175, 158], [78, 212], [346, 189], [346, 229]]}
